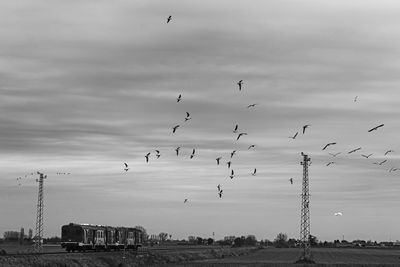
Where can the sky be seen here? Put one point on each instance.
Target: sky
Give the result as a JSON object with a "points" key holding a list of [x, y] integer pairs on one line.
{"points": [[87, 86]]}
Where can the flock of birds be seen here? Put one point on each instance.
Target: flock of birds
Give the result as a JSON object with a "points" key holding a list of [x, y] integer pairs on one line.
{"points": [[241, 135]]}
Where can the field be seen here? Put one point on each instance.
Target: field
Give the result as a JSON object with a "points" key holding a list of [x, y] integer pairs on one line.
{"points": [[208, 256]]}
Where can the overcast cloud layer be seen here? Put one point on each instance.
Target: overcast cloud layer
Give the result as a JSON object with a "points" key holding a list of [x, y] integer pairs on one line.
{"points": [[88, 85]]}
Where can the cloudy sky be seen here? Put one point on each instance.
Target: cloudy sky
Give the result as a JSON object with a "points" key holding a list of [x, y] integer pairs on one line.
{"points": [[88, 85]]}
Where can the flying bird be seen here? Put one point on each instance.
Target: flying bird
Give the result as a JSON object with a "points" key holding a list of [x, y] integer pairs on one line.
{"points": [[329, 163], [334, 154], [147, 157], [187, 117], [366, 156], [177, 150], [305, 127], [174, 129], [233, 153], [126, 167], [186, 200], [229, 164], [375, 128], [254, 172], [219, 187], [354, 150], [291, 180], [220, 193], [158, 153], [387, 152], [191, 156], [252, 105], [240, 85], [240, 135], [232, 174], [236, 128], [329, 144], [294, 136], [169, 19], [179, 98], [251, 146], [355, 99], [380, 163], [218, 159], [338, 214]]}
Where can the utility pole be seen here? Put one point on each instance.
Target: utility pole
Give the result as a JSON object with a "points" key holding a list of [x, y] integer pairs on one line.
{"points": [[306, 256], [37, 245]]}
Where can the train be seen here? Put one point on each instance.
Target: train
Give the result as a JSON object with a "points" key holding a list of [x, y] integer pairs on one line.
{"points": [[82, 237]]}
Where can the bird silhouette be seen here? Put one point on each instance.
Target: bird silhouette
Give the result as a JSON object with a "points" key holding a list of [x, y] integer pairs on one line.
{"points": [[252, 105], [233, 153], [294, 136], [305, 127], [229, 164], [251, 146], [375, 128], [218, 159], [232, 174], [220, 193], [254, 172], [380, 163], [354, 150], [186, 200], [179, 98], [219, 187], [329, 144], [334, 154], [240, 135], [236, 128], [240, 85], [169, 19], [355, 98], [187, 117], [291, 180], [174, 128], [191, 156], [329, 163], [126, 167], [366, 156], [387, 152], [177, 150], [158, 153], [147, 157]]}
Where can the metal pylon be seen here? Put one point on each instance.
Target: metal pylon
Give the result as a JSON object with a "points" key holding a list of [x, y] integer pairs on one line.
{"points": [[306, 256], [37, 246]]}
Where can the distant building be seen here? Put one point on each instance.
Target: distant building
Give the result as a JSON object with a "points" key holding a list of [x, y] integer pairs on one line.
{"points": [[11, 236], [21, 235], [230, 238], [30, 235]]}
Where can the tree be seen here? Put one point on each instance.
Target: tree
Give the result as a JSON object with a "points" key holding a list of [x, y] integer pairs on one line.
{"points": [[163, 236], [250, 240], [210, 241], [313, 240], [199, 241], [238, 242], [281, 241]]}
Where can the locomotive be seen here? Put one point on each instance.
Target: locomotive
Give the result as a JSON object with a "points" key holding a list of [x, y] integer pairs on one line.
{"points": [[82, 237]]}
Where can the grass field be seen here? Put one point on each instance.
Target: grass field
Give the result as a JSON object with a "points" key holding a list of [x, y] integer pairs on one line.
{"points": [[322, 256]]}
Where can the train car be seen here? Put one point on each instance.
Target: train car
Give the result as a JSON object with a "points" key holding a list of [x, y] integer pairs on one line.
{"points": [[82, 237]]}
